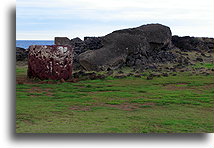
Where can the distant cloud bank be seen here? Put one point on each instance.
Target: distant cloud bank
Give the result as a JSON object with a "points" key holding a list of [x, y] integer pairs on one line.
{"points": [[45, 19]]}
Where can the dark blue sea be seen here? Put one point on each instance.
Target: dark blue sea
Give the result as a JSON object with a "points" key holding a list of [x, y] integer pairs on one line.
{"points": [[26, 43]]}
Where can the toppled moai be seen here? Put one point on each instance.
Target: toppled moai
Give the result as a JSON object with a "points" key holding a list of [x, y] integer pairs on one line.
{"points": [[50, 62]]}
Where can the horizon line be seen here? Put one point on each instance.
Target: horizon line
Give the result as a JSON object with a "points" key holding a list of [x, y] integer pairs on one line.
{"points": [[98, 36]]}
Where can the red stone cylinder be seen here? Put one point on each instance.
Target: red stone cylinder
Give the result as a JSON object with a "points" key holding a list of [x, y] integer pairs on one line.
{"points": [[50, 62]]}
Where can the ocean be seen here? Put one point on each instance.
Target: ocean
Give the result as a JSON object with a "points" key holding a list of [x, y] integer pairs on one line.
{"points": [[26, 43]]}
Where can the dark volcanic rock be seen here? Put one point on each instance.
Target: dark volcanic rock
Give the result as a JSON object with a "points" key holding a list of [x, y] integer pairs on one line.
{"points": [[118, 45], [88, 75], [120, 76], [187, 43], [21, 54], [75, 41], [93, 43], [199, 59], [150, 77], [50, 62], [62, 41], [157, 35], [141, 48], [165, 74], [89, 43], [113, 54], [79, 45]]}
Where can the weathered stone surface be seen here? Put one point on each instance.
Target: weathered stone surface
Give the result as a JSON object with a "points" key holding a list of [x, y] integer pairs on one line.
{"points": [[114, 52], [188, 43], [50, 62], [21, 54], [209, 42], [143, 47], [80, 46], [93, 43], [119, 45], [75, 41], [158, 36], [62, 41]]}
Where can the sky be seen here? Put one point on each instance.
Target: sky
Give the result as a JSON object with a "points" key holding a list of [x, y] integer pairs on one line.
{"points": [[46, 19]]}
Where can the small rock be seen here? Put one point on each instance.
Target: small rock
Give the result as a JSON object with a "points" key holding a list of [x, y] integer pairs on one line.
{"points": [[101, 77], [174, 74], [92, 77], [110, 72], [150, 77], [205, 73], [109, 69], [165, 74], [120, 76], [137, 75], [21, 54], [120, 72], [75, 75], [62, 80], [156, 74], [81, 73], [130, 74], [138, 62], [199, 59], [203, 54]]}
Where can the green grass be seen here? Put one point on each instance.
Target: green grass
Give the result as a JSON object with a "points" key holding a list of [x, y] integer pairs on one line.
{"points": [[21, 71], [204, 65], [174, 104]]}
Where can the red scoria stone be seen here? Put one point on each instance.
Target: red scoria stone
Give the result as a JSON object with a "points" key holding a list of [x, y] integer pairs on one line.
{"points": [[50, 62]]}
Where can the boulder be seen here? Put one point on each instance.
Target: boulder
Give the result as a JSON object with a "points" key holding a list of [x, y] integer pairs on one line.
{"points": [[21, 54], [50, 62], [80, 46], [119, 44], [75, 41], [188, 43], [93, 43], [114, 52], [157, 35], [62, 41], [209, 42]]}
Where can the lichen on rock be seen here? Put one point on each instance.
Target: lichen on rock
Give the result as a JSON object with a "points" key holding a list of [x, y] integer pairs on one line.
{"points": [[50, 62]]}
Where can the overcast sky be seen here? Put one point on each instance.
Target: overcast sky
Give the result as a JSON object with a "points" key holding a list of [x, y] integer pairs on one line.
{"points": [[45, 19]]}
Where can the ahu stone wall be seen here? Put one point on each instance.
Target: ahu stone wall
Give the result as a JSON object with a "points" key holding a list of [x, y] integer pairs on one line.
{"points": [[50, 62]]}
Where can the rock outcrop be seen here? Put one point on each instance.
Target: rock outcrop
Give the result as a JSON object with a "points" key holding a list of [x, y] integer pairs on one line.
{"points": [[118, 45], [158, 36], [21, 54], [80, 46], [188, 43], [93, 43], [143, 47], [62, 41], [113, 54], [50, 62]]}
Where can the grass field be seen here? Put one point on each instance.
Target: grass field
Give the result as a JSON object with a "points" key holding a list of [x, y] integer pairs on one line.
{"points": [[173, 104]]}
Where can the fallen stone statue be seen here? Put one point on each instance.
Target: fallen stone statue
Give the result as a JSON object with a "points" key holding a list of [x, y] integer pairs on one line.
{"points": [[115, 49], [50, 62], [121, 43]]}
